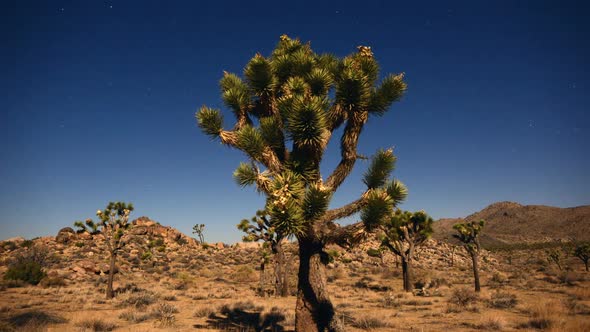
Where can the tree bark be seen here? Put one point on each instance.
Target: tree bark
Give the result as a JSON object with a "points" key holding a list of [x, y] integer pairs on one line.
{"points": [[407, 274], [314, 311], [474, 259], [586, 263], [110, 293], [282, 284]]}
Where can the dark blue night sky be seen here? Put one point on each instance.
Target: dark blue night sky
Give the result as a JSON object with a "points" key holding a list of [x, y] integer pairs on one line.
{"points": [[98, 103]]}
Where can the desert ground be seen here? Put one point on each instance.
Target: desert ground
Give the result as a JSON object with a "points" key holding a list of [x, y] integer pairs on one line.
{"points": [[167, 281]]}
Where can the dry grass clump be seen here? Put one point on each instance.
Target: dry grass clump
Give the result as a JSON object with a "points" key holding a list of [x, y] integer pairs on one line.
{"points": [[31, 320], [391, 300], [139, 299], [244, 274], [463, 299], [134, 317], [543, 315], [492, 323], [95, 324], [205, 311], [503, 300], [164, 314], [369, 322]]}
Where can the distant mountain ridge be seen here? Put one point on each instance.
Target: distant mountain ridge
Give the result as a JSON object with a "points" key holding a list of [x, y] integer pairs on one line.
{"points": [[510, 222]]}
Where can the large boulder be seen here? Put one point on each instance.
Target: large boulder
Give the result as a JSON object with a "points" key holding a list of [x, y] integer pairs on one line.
{"points": [[65, 235]]}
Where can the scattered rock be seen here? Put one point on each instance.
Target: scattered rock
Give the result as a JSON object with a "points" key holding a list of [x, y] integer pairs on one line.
{"points": [[65, 235]]}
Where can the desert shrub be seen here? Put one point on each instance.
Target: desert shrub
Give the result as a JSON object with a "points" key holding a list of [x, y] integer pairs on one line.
{"points": [[503, 300], [52, 282], [463, 299], [541, 316], [134, 317], [492, 323], [498, 279], [147, 255], [139, 300], [370, 322], [95, 324], [79, 244], [206, 311], [181, 241], [244, 274], [27, 244], [570, 278], [164, 314], [9, 245], [11, 284], [28, 271], [170, 297], [35, 318]]}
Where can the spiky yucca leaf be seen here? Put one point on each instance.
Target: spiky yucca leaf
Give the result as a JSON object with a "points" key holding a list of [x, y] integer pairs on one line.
{"points": [[271, 132], [250, 141], [378, 208], [368, 66], [382, 165], [210, 121], [296, 86], [245, 175], [353, 89], [316, 202], [236, 99], [285, 214], [397, 191], [258, 73], [320, 80], [307, 121], [328, 62], [244, 225], [231, 81], [391, 90]]}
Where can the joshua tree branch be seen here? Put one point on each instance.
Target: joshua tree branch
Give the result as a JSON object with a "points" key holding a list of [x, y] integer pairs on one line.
{"points": [[348, 145]]}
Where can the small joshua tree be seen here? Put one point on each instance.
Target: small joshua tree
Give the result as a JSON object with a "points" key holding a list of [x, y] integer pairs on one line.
{"points": [[554, 255], [582, 251], [198, 229], [260, 227], [87, 226], [112, 225], [287, 109], [468, 234], [402, 233]]}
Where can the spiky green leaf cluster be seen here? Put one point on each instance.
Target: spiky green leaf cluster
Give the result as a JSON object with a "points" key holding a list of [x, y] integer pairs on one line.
{"points": [[408, 226], [245, 175], [210, 121], [316, 202], [380, 169], [251, 141], [307, 121], [259, 75], [377, 210], [397, 191]]}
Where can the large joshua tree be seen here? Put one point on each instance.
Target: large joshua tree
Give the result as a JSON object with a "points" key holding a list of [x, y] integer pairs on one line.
{"points": [[261, 227], [287, 109], [468, 233], [402, 233], [112, 224]]}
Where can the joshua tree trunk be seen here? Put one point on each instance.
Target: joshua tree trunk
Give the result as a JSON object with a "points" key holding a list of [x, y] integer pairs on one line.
{"points": [[407, 274], [314, 311], [281, 285], [586, 264], [474, 259], [110, 293], [261, 286]]}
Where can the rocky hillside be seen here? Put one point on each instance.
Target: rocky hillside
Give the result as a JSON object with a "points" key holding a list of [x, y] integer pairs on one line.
{"points": [[154, 251], [509, 222]]}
